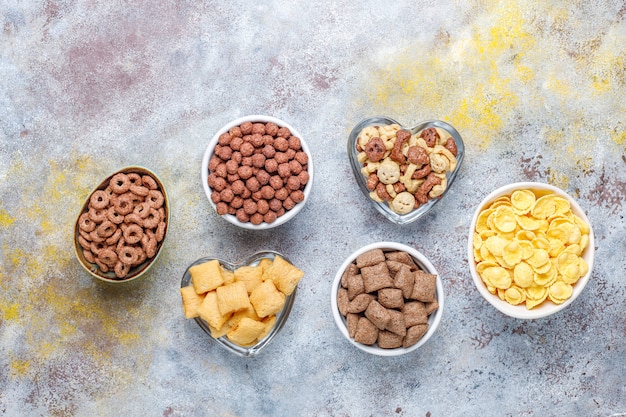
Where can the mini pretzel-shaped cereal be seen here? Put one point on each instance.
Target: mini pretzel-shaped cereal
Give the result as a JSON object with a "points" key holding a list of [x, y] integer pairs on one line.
{"points": [[99, 199]]}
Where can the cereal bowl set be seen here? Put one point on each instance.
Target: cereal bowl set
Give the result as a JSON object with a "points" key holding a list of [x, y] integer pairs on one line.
{"points": [[530, 249], [404, 172], [122, 226], [257, 172], [387, 299], [258, 306]]}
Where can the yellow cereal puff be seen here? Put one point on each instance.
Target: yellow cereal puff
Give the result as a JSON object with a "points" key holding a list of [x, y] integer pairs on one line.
{"points": [[264, 263], [266, 299], [191, 301], [251, 276], [221, 332], [232, 297], [207, 276], [209, 311], [246, 331], [228, 275], [269, 322], [285, 275]]}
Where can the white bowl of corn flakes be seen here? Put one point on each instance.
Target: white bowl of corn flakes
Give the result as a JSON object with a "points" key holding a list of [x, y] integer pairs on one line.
{"points": [[241, 306], [530, 249], [387, 299]]}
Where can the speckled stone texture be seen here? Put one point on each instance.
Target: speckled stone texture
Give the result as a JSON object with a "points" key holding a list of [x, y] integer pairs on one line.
{"points": [[535, 88]]}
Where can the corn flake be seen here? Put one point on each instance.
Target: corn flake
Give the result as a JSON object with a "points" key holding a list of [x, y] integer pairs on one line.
{"points": [[528, 248]]}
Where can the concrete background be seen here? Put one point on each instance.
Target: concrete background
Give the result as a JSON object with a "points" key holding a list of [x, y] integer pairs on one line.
{"points": [[536, 90]]}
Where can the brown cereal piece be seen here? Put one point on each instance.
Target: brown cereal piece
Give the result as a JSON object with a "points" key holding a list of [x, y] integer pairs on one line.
{"points": [[343, 302], [431, 307], [403, 257], [352, 269], [404, 280], [85, 223], [99, 199], [414, 334], [366, 332], [394, 267], [418, 155], [375, 149], [376, 277], [451, 146], [414, 313], [396, 153], [391, 298], [378, 314], [355, 285], [352, 320], [430, 136], [119, 183], [396, 324], [369, 258], [359, 304], [389, 340], [424, 287]]}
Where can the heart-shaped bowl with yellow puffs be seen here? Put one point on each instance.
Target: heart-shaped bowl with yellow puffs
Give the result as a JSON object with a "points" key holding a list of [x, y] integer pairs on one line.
{"points": [[530, 249], [241, 306]]}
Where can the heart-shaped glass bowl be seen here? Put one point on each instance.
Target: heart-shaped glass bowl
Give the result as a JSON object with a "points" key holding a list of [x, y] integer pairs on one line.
{"points": [[136, 271], [361, 180], [281, 317]]}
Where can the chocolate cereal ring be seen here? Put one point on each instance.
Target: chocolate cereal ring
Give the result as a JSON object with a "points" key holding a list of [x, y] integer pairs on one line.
{"points": [[103, 267], [150, 246], [120, 183], [97, 215], [152, 220], [121, 269], [89, 256], [85, 223], [133, 233], [85, 243], [106, 229], [139, 190], [159, 234], [113, 216], [134, 178], [142, 256], [99, 199], [128, 254], [134, 218], [97, 247], [95, 237], [112, 240], [149, 182], [155, 198], [124, 204], [142, 209], [108, 257]]}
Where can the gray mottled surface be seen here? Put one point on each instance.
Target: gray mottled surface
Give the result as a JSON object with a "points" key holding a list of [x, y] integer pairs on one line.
{"points": [[536, 90]]}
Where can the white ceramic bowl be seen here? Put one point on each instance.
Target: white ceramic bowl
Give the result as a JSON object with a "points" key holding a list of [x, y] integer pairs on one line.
{"points": [[433, 320], [547, 307], [289, 214]]}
